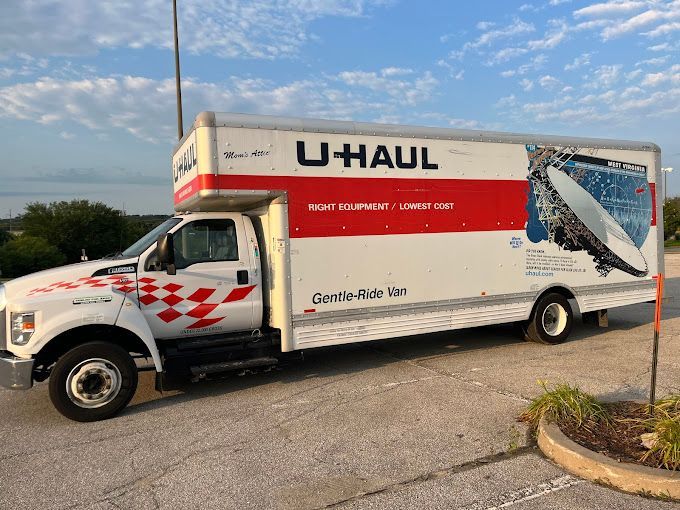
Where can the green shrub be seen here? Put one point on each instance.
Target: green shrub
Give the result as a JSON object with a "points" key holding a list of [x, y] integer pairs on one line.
{"points": [[27, 254], [565, 402]]}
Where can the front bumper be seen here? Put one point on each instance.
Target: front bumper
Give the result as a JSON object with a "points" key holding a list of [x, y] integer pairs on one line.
{"points": [[15, 373]]}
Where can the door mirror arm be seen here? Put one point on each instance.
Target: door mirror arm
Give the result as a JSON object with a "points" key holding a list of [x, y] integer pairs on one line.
{"points": [[166, 252]]}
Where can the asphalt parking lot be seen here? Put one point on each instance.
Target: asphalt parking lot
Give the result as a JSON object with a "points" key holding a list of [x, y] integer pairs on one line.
{"points": [[424, 422]]}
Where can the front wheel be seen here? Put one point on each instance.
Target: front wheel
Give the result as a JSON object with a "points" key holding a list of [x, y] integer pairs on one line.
{"points": [[93, 381], [550, 321]]}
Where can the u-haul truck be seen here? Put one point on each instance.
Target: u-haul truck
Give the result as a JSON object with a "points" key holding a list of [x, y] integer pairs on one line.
{"points": [[296, 233]]}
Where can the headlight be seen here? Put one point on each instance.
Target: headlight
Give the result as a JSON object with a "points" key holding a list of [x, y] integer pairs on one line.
{"points": [[23, 327], [3, 299]]}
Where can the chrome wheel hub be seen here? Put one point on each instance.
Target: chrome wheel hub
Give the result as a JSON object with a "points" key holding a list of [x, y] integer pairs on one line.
{"points": [[93, 383]]}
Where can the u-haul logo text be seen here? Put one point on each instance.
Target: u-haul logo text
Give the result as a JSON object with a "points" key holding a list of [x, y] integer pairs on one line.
{"points": [[184, 162], [381, 156]]}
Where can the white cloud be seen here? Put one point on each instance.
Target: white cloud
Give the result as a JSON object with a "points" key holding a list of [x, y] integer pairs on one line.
{"points": [[258, 28], [66, 135], [506, 54], [558, 2], [145, 107], [608, 8], [605, 76], [535, 64], [610, 107], [663, 29], [619, 18], [580, 61], [485, 25], [631, 92], [671, 75], [633, 74], [455, 73], [395, 71], [525, 7], [548, 82], [517, 27], [592, 24], [526, 84], [633, 24], [411, 92], [506, 101], [657, 61], [465, 124]]}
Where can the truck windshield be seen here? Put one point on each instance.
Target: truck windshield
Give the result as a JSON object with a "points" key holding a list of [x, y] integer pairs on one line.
{"points": [[140, 246]]}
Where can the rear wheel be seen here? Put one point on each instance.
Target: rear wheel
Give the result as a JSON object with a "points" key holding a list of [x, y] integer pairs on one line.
{"points": [[93, 381], [550, 321]]}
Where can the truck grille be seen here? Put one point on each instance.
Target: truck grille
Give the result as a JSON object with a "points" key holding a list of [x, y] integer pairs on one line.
{"points": [[3, 330]]}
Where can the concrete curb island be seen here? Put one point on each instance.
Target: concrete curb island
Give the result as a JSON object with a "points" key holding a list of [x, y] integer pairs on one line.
{"points": [[599, 468]]}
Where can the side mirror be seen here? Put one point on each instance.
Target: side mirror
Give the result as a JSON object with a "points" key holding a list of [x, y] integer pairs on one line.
{"points": [[165, 248]]}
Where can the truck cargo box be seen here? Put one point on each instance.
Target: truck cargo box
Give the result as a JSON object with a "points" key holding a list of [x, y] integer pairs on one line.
{"points": [[373, 230]]}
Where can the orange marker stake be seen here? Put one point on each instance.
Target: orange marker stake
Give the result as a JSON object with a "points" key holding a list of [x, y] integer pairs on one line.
{"points": [[657, 330]]}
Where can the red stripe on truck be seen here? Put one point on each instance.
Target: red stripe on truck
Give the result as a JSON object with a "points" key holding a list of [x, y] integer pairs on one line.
{"points": [[356, 206]]}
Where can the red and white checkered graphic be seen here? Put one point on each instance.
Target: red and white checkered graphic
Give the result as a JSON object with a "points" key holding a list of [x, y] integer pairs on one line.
{"points": [[169, 294], [149, 293], [121, 283]]}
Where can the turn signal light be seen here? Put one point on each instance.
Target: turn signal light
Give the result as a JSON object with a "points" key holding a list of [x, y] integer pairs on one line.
{"points": [[23, 327]]}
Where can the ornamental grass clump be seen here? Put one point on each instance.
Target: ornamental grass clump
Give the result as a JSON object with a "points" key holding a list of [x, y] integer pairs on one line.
{"points": [[663, 433], [665, 445], [669, 405], [566, 403]]}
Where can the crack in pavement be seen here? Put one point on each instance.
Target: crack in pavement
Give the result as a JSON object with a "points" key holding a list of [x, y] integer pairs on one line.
{"points": [[440, 473]]}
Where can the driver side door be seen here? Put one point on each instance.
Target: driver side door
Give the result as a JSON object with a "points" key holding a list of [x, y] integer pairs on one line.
{"points": [[212, 290]]}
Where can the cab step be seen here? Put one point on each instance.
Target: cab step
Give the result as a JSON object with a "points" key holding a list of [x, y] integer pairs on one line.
{"points": [[228, 366]]}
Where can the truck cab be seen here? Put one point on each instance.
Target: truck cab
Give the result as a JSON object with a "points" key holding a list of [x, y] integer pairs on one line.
{"points": [[186, 308]]}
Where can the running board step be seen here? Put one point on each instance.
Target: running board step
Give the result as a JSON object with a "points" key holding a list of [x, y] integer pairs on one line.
{"points": [[226, 366]]}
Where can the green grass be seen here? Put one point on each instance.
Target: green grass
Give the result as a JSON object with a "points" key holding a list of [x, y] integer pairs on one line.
{"points": [[564, 402], [671, 242]]}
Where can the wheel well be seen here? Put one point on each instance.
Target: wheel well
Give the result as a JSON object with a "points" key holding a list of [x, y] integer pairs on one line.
{"points": [[555, 290], [67, 340]]}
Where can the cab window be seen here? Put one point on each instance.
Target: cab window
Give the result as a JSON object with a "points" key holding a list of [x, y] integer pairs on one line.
{"points": [[205, 241]]}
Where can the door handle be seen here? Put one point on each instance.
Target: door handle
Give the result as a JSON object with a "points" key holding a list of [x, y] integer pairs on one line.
{"points": [[242, 276]]}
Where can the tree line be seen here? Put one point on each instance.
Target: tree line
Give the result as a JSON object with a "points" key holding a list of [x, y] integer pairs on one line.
{"points": [[56, 233]]}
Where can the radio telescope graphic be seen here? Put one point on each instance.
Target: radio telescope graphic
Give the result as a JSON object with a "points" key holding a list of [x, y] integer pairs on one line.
{"points": [[575, 220]]}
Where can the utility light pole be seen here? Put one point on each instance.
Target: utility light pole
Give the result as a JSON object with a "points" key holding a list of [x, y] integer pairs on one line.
{"points": [[180, 129], [665, 171]]}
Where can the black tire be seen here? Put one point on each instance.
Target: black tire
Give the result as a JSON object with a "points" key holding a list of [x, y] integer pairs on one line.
{"points": [[551, 320], [90, 370]]}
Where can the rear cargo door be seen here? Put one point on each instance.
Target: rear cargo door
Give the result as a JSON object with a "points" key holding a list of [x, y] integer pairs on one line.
{"points": [[212, 291]]}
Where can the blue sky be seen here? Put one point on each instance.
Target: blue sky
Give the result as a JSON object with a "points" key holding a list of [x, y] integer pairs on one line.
{"points": [[87, 88]]}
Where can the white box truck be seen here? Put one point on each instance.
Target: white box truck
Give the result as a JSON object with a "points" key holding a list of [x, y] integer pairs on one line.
{"points": [[294, 233]]}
